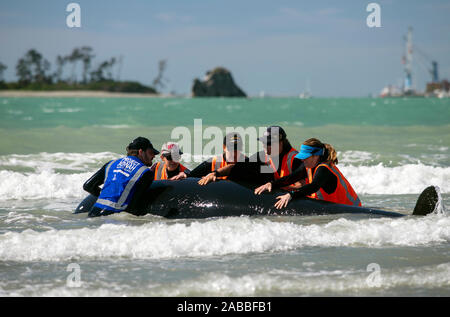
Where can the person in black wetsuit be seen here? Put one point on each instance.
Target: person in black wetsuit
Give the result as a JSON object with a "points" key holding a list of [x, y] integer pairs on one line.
{"points": [[328, 183], [232, 153], [125, 180], [276, 161]]}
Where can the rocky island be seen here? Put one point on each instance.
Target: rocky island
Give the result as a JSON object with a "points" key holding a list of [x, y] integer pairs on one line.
{"points": [[217, 83]]}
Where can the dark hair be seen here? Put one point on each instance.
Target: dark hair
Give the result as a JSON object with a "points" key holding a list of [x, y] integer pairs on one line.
{"points": [[286, 144], [233, 140], [132, 152]]}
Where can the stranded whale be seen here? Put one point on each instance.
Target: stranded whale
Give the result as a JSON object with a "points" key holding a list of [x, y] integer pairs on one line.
{"points": [[187, 199]]}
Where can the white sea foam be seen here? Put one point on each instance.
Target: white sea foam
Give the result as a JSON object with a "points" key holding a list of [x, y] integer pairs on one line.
{"points": [[294, 282], [349, 157], [69, 110], [61, 175], [52, 161], [304, 283], [115, 126], [45, 184], [48, 175], [218, 237], [48, 183], [232, 108], [405, 179]]}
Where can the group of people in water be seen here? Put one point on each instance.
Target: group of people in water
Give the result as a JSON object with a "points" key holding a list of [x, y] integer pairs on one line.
{"points": [[310, 172]]}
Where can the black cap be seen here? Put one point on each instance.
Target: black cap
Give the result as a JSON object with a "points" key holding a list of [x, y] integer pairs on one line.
{"points": [[273, 132], [233, 140], [141, 143]]}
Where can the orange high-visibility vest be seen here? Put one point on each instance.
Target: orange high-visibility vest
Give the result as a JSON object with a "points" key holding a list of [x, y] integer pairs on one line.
{"points": [[286, 164], [216, 164], [344, 193], [161, 171], [286, 169], [303, 182], [309, 181]]}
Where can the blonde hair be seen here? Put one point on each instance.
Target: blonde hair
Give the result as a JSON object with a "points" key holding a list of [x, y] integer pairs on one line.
{"points": [[329, 155]]}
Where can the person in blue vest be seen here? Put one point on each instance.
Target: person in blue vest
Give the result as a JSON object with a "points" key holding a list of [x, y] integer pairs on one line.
{"points": [[125, 181]]}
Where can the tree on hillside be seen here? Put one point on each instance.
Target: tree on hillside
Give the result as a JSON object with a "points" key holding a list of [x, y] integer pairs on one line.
{"points": [[104, 71], [75, 71], [3, 67], [158, 82], [32, 68], [73, 58], [109, 68], [60, 62], [23, 71], [86, 57]]}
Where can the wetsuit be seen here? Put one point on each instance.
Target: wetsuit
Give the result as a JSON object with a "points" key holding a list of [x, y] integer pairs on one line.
{"points": [[251, 171], [205, 168], [138, 200], [323, 178], [201, 170]]}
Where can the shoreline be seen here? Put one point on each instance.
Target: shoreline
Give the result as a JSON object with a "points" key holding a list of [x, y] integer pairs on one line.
{"points": [[77, 93], [110, 94]]}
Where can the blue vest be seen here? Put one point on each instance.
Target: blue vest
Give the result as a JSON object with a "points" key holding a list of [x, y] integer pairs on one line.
{"points": [[121, 177]]}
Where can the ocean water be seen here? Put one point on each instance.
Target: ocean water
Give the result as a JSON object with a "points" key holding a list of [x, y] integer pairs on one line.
{"points": [[389, 149]]}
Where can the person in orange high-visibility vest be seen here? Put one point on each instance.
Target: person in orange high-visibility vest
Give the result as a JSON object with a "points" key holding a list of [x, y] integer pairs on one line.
{"points": [[291, 173], [232, 153], [328, 182], [170, 167], [264, 167], [219, 162], [232, 148]]}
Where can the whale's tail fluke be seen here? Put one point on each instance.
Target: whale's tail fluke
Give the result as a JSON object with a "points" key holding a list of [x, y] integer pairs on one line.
{"points": [[427, 201]]}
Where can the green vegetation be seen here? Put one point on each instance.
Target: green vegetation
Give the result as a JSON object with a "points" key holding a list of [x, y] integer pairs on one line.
{"points": [[104, 85], [75, 72]]}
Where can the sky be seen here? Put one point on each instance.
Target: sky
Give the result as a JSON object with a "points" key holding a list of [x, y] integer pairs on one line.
{"points": [[277, 47]]}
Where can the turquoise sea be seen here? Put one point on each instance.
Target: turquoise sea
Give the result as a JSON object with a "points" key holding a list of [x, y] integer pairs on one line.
{"points": [[389, 149]]}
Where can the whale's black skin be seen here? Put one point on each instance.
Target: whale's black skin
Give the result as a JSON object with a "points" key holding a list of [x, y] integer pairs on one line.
{"points": [[186, 199]]}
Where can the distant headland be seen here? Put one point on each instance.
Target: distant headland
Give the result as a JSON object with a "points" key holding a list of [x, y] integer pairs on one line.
{"points": [[74, 72], [74, 75]]}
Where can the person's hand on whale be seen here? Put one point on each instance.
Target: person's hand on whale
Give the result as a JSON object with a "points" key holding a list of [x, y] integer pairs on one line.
{"points": [[205, 180], [263, 188], [181, 175], [283, 201]]}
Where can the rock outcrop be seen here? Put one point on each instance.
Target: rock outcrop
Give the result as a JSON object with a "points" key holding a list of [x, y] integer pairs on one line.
{"points": [[217, 83]]}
